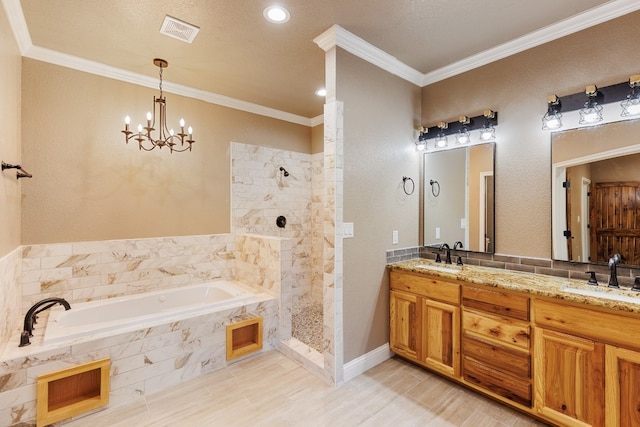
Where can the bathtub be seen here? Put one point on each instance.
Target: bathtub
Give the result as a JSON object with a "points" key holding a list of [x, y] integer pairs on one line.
{"points": [[121, 314]]}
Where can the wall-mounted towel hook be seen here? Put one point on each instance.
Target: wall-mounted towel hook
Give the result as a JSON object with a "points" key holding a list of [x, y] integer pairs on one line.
{"points": [[284, 171], [21, 173]]}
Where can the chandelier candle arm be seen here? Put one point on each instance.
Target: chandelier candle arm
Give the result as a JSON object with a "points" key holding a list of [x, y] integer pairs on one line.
{"points": [[166, 136]]}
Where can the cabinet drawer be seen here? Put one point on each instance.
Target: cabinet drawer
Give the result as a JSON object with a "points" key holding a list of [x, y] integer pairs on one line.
{"points": [[502, 359], [425, 286], [505, 385], [497, 302], [504, 330], [586, 322]]}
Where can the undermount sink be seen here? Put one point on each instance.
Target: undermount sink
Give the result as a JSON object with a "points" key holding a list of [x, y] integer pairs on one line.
{"points": [[607, 293], [442, 269]]}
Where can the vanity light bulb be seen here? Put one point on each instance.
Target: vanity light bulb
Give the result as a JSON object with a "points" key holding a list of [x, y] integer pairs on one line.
{"points": [[421, 146]]}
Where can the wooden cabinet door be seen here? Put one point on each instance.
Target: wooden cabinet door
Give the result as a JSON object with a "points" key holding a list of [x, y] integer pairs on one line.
{"points": [[441, 337], [405, 334], [569, 378], [623, 392]]}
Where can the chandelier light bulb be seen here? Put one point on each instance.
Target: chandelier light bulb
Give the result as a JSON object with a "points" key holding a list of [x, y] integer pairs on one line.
{"points": [[149, 116], [181, 123], [190, 130], [127, 120], [171, 131], [139, 128]]}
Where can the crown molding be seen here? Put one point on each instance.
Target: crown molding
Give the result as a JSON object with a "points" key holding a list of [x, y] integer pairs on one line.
{"points": [[589, 18], [18, 24], [334, 36], [317, 120], [338, 36], [28, 50]]}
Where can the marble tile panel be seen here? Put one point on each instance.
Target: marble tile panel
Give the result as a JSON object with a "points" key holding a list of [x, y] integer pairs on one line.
{"points": [[40, 251]]}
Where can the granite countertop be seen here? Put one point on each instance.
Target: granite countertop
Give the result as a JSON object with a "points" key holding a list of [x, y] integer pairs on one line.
{"points": [[570, 290]]}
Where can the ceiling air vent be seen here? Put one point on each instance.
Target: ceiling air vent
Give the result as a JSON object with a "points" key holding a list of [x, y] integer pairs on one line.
{"points": [[178, 29]]}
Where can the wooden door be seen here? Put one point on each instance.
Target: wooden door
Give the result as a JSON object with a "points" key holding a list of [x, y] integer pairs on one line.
{"points": [[405, 334], [441, 332], [615, 221], [623, 393], [569, 378]]}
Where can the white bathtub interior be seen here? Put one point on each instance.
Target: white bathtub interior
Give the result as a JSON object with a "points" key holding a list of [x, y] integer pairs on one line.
{"points": [[120, 314]]}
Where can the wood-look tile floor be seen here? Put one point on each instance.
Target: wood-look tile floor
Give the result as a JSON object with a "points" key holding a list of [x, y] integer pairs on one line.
{"points": [[271, 390]]}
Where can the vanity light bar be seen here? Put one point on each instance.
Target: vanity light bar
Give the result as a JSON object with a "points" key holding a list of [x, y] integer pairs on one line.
{"points": [[469, 123], [602, 95]]}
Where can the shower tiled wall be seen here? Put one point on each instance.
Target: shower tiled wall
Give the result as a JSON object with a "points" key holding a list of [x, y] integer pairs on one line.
{"points": [[10, 295], [317, 224], [266, 261], [261, 193]]}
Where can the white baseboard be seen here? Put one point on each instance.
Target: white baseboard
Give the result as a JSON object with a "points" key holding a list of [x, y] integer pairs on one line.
{"points": [[365, 362]]}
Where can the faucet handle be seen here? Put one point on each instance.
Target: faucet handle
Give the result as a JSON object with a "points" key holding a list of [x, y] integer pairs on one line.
{"points": [[636, 284], [438, 259], [592, 280]]}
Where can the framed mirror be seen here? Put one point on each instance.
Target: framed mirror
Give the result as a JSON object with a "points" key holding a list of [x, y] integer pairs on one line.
{"points": [[595, 193], [459, 197]]}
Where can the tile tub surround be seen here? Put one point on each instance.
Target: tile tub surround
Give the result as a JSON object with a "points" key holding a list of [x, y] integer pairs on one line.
{"points": [[143, 362], [533, 283], [86, 271], [10, 295]]}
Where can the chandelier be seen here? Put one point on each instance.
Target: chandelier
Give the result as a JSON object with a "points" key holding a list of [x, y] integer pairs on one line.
{"points": [[166, 137]]}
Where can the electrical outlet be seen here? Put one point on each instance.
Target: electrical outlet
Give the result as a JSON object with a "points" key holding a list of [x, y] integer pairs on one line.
{"points": [[347, 230], [395, 237]]}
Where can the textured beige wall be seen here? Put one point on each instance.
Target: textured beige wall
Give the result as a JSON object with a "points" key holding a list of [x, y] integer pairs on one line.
{"points": [[10, 68], [89, 185], [317, 139], [380, 113], [517, 87]]}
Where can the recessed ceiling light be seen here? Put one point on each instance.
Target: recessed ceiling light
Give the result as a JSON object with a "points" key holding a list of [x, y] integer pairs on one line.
{"points": [[321, 92], [276, 14]]}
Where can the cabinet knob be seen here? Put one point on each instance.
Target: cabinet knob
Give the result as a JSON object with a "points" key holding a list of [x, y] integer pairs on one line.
{"points": [[564, 407]]}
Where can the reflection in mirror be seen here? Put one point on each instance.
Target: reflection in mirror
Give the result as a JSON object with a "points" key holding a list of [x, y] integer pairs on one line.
{"points": [[459, 197], [596, 193]]}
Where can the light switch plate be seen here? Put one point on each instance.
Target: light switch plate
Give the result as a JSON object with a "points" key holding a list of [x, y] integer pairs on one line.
{"points": [[347, 230], [394, 239]]}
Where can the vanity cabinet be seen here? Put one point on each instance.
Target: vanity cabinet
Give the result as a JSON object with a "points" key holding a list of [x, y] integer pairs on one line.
{"points": [[566, 362], [425, 321], [496, 344], [569, 378], [622, 385], [587, 365]]}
